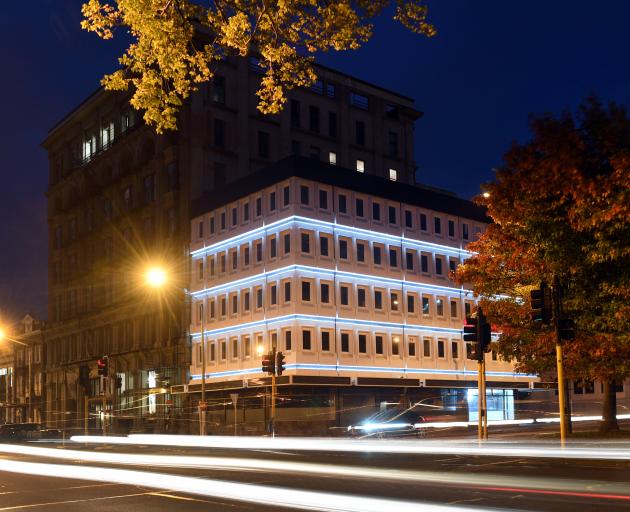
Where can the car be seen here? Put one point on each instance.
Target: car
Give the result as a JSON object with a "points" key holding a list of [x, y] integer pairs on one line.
{"points": [[11, 432], [389, 422]]}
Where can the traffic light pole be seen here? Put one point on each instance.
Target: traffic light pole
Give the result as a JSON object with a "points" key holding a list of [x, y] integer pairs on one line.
{"points": [[272, 416], [562, 399], [485, 398], [480, 401], [202, 403]]}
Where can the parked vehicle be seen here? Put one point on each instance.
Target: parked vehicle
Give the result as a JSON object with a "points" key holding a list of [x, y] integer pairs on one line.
{"points": [[12, 432]]}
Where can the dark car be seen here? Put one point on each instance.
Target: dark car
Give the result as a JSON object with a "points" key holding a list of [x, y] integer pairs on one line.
{"points": [[390, 422], [12, 432]]}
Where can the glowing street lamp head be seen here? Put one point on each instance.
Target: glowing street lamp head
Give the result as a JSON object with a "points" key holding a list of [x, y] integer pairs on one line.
{"points": [[486, 195], [260, 350], [2, 334], [156, 277]]}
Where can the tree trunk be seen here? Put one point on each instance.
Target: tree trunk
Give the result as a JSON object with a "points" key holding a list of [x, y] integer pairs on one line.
{"points": [[609, 414]]}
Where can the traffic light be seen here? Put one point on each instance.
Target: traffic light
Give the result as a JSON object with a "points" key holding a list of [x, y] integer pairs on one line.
{"points": [[541, 304], [470, 329], [478, 331], [269, 363], [566, 327], [279, 363], [485, 336], [103, 366]]}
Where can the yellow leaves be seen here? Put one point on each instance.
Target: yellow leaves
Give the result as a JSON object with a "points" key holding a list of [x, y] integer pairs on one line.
{"points": [[176, 41]]}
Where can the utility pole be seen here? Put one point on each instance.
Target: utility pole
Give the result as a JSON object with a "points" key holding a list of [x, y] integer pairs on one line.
{"points": [[202, 403], [562, 399]]}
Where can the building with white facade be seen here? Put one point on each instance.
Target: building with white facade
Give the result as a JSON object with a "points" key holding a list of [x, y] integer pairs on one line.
{"points": [[348, 275]]}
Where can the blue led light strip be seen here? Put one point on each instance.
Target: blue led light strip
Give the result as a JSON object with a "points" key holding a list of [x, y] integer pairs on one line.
{"points": [[365, 369], [329, 320], [233, 285], [297, 220]]}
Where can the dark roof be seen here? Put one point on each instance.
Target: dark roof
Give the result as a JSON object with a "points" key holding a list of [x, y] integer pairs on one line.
{"points": [[311, 169]]}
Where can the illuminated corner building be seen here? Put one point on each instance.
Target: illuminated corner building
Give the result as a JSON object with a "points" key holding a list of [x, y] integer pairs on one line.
{"points": [[347, 275], [120, 196]]}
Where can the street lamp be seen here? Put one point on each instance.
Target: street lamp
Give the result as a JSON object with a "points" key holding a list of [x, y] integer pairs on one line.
{"points": [[156, 277]]}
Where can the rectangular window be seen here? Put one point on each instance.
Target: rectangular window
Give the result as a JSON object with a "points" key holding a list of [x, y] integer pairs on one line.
{"points": [[223, 306], [222, 263], [452, 264], [305, 243], [393, 174], [234, 217], [378, 344], [465, 231], [287, 291], [360, 133], [272, 201], [409, 260], [424, 263], [273, 247], [149, 188], [343, 207], [234, 260], [423, 222], [258, 206], [246, 304], [343, 249], [287, 340], [324, 293], [412, 348], [451, 228], [219, 133], [393, 258], [259, 298], [247, 343], [392, 144], [437, 225], [332, 158], [306, 340], [454, 350], [359, 101], [313, 118], [223, 223], [217, 91], [306, 291], [258, 249], [246, 256], [295, 114], [212, 225], [392, 214], [439, 307], [223, 349], [426, 350], [361, 297], [395, 346], [234, 348], [360, 165], [286, 196], [323, 245], [344, 295], [325, 341], [453, 309], [263, 144], [362, 344], [376, 211], [411, 304], [323, 200], [332, 125], [246, 212], [425, 305], [345, 342], [438, 266], [467, 308], [441, 351], [304, 196], [408, 219], [359, 207], [273, 294], [377, 255], [393, 299], [360, 252], [378, 299]]}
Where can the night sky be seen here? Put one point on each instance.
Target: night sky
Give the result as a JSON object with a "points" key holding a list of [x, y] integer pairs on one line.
{"points": [[490, 66]]}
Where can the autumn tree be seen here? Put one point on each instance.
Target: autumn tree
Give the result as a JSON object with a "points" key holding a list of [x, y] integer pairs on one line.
{"points": [[560, 206], [176, 43]]}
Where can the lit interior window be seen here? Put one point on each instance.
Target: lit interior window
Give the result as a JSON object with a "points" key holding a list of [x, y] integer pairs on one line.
{"points": [[361, 165], [393, 174]]}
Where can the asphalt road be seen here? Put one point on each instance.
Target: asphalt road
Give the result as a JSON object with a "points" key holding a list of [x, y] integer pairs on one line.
{"points": [[470, 482]]}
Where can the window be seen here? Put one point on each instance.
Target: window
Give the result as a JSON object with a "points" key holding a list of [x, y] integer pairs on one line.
{"points": [[376, 211], [259, 298], [378, 344], [437, 225], [149, 188], [200, 230], [392, 214], [360, 133], [286, 196], [234, 348], [127, 197], [467, 308], [287, 291], [219, 133], [234, 217], [393, 258], [272, 201], [359, 208], [331, 90], [359, 101], [343, 249], [323, 200], [426, 347], [361, 252], [222, 263], [361, 165], [258, 249], [425, 305], [304, 199], [451, 228], [212, 309], [323, 245], [424, 263], [411, 304], [361, 297], [306, 339], [332, 158], [439, 307], [408, 219], [324, 292], [212, 225], [306, 291], [313, 118], [332, 125], [234, 260], [258, 206], [465, 231], [452, 264], [453, 309], [263, 144], [395, 345], [222, 218], [246, 304], [438, 266], [441, 351], [315, 151], [246, 212], [378, 299], [412, 348], [392, 141], [273, 295], [393, 299], [247, 343], [343, 207], [273, 247], [344, 295], [362, 343], [223, 306], [223, 349], [325, 341], [287, 340], [345, 342], [409, 260], [377, 255], [423, 222], [305, 242], [454, 350], [393, 174], [217, 93], [295, 114]]}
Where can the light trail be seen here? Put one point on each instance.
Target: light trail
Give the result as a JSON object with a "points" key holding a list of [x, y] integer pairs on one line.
{"points": [[478, 481], [249, 493], [365, 446]]}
